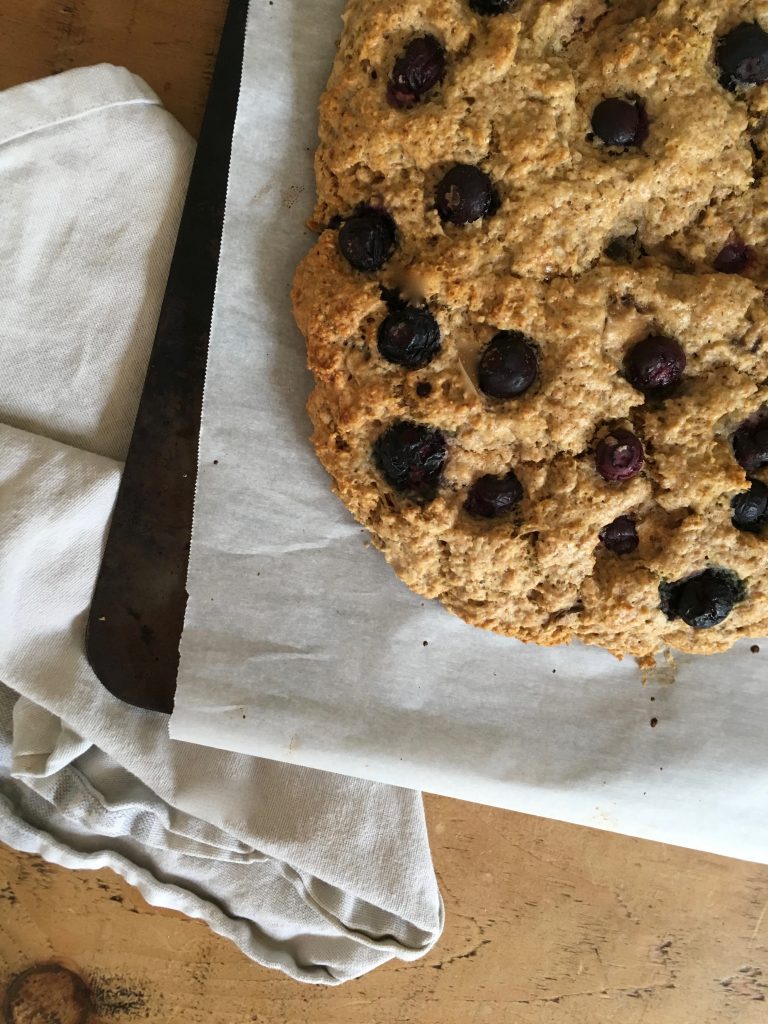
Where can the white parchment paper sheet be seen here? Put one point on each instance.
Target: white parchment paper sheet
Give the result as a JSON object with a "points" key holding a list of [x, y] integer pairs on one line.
{"points": [[301, 644]]}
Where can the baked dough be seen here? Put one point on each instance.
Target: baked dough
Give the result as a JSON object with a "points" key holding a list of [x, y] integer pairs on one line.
{"points": [[530, 215]]}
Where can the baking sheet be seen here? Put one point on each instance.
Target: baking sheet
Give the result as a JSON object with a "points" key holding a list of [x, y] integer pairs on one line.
{"points": [[300, 643]]}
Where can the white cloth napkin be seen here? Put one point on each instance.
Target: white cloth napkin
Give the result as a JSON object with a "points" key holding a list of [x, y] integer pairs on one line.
{"points": [[320, 876]]}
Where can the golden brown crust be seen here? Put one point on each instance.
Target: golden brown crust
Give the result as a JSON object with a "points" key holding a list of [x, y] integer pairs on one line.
{"points": [[517, 100]]}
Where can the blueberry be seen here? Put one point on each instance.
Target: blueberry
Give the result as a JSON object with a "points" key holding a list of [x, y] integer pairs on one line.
{"points": [[409, 337], [367, 239], [491, 7], [750, 508], [411, 457], [509, 365], [625, 249], [465, 194], [750, 444], [492, 496], [704, 599], [742, 56], [619, 455], [734, 257], [620, 122], [654, 363], [620, 536], [419, 68]]}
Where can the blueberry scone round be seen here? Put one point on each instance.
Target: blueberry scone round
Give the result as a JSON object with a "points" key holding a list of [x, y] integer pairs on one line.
{"points": [[536, 311]]}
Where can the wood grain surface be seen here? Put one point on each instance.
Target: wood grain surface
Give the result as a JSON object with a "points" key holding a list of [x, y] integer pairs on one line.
{"points": [[546, 923]]}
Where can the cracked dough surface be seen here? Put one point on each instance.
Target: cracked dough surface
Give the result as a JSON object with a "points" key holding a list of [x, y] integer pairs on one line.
{"points": [[516, 100]]}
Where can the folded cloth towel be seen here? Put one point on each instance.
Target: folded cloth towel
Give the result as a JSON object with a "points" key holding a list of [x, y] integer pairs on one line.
{"points": [[315, 874]]}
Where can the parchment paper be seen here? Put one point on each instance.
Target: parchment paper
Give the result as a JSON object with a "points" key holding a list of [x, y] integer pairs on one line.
{"points": [[301, 644]]}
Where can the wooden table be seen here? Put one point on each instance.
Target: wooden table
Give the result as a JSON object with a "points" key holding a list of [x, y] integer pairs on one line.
{"points": [[547, 924]]}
